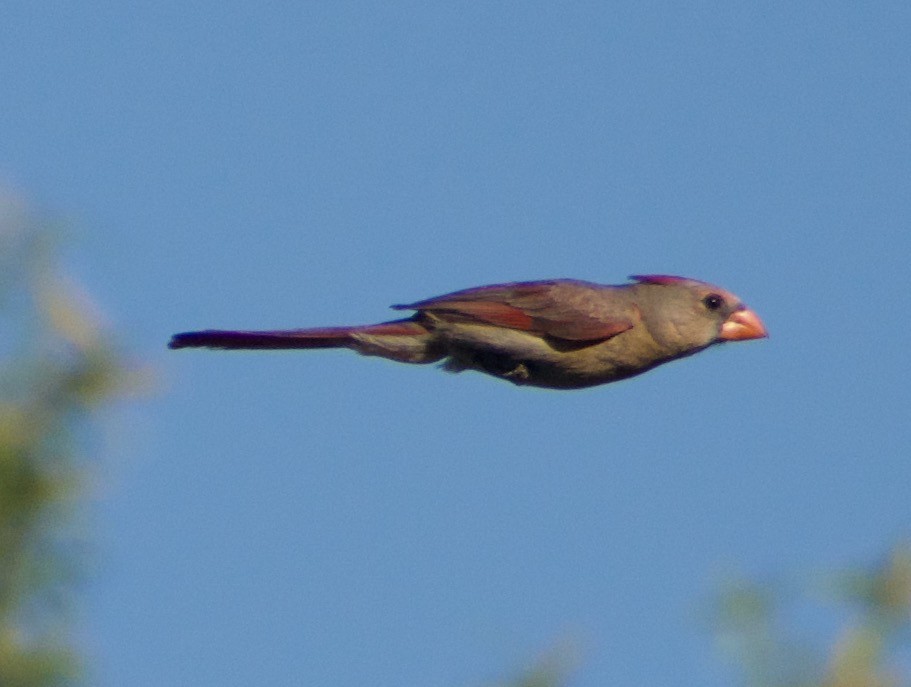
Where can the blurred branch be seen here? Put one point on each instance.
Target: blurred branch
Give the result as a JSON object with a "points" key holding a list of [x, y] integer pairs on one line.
{"points": [[57, 369]]}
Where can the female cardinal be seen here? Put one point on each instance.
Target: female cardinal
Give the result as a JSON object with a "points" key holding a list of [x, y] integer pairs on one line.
{"points": [[558, 334]]}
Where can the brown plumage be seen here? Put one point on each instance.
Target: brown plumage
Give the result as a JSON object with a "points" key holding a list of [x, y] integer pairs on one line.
{"points": [[559, 334]]}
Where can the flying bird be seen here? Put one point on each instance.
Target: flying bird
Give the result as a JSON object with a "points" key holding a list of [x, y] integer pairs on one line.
{"points": [[557, 334]]}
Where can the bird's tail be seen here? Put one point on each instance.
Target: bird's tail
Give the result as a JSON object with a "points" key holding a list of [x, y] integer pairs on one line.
{"points": [[403, 340]]}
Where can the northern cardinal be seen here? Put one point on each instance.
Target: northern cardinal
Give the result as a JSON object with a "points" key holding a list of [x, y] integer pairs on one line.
{"points": [[558, 334]]}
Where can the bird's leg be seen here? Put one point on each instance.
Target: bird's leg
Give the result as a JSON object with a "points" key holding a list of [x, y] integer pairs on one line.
{"points": [[491, 362]]}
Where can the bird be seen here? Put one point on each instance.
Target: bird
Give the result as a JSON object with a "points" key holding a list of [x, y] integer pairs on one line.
{"points": [[554, 334]]}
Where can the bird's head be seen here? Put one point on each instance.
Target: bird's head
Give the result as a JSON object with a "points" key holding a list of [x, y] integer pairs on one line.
{"points": [[689, 315]]}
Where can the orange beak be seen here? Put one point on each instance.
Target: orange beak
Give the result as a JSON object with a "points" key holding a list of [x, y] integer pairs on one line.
{"points": [[742, 325]]}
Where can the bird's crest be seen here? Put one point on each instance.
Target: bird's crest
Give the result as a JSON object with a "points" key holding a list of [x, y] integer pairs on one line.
{"points": [[661, 279]]}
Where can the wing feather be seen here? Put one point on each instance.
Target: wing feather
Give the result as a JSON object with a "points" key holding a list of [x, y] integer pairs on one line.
{"points": [[564, 309]]}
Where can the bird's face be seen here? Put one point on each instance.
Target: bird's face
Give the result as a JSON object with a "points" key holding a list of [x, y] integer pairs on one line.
{"points": [[688, 315]]}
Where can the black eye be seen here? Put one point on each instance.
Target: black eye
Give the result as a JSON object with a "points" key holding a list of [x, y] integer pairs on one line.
{"points": [[713, 301]]}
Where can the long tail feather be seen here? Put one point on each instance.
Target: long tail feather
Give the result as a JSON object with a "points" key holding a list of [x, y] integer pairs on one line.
{"points": [[324, 337], [301, 338]]}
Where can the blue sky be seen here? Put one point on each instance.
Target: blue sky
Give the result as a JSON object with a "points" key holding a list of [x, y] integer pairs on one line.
{"points": [[319, 518]]}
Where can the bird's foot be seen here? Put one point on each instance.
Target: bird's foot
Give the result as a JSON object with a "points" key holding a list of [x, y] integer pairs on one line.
{"points": [[518, 375]]}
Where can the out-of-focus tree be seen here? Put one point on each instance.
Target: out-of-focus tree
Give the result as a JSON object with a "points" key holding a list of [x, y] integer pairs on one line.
{"points": [[57, 370], [871, 648]]}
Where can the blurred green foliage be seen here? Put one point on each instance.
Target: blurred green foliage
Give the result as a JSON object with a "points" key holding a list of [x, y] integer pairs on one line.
{"points": [[871, 647], [57, 369], [549, 670], [756, 626]]}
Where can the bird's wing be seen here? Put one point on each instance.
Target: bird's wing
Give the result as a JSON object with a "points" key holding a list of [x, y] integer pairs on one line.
{"points": [[564, 309]]}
